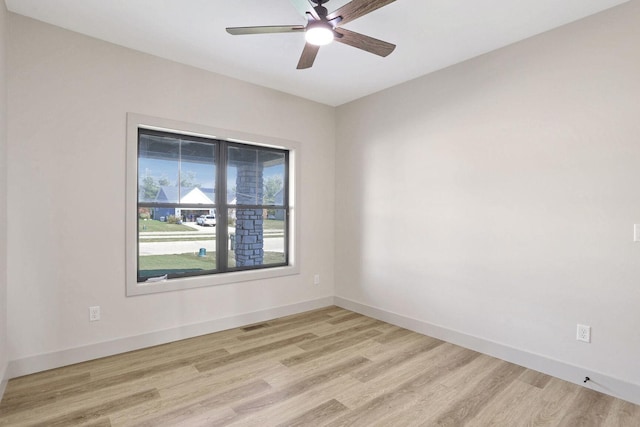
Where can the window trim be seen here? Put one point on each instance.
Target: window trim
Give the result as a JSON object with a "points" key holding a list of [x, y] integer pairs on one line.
{"points": [[133, 287]]}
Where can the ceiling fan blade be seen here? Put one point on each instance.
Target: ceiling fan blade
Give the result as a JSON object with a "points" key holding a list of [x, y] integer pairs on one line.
{"points": [[356, 9], [360, 41], [305, 6], [308, 56], [236, 31]]}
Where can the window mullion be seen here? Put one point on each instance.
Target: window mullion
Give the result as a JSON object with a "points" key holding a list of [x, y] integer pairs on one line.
{"points": [[222, 224]]}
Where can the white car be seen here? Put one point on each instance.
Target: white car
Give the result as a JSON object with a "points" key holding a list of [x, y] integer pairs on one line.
{"points": [[206, 220]]}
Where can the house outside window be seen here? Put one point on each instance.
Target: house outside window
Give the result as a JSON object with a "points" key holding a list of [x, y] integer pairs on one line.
{"points": [[207, 207]]}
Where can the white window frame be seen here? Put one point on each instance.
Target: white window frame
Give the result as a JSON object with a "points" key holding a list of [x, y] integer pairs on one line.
{"points": [[133, 287]]}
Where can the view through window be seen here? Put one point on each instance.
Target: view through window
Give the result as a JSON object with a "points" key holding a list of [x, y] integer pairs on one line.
{"points": [[208, 206]]}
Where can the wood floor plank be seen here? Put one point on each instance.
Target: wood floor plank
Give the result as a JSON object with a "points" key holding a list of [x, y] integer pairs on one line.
{"points": [[345, 318], [325, 313], [324, 340], [500, 410], [475, 399], [394, 334], [76, 402], [237, 346], [623, 414], [363, 393], [218, 400], [55, 385], [377, 368], [301, 386], [190, 348], [379, 351], [194, 390], [254, 327], [52, 375], [272, 328], [327, 367], [293, 406], [549, 408], [536, 379], [589, 408], [43, 398], [330, 348], [99, 411], [318, 415], [221, 379], [253, 352], [315, 366], [102, 422], [431, 400], [373, 409], [204, 418]]}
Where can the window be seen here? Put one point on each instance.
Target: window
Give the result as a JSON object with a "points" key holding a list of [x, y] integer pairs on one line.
{"points": [[208, 209]]}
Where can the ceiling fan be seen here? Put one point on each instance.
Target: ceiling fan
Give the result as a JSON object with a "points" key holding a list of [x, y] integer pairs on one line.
{"points": [[322, 28]]}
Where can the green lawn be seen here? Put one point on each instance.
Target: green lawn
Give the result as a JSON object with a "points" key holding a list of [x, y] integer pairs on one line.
{"points": [[153, 225], [177, 239], [159, 265]]}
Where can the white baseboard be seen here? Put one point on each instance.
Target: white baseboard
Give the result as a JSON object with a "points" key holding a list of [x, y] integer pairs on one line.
{"points": [[4, 379], [571, 373], [42, 362]]}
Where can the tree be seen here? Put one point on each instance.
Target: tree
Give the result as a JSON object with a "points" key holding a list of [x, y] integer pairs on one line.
{"points": [[272, 185], [188, 180], [149, 188]]}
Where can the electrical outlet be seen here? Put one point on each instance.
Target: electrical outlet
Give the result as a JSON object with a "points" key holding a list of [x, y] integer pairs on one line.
{"points": [[583, 333], [94, 313], [316, 279]]}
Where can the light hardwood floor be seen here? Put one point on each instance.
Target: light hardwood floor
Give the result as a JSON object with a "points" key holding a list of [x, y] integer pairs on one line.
{"points": [[328, 367]]}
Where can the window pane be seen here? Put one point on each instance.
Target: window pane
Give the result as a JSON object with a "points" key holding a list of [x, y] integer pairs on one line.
{"points": [[274, 172], [244, 176], [197, 173], [255, 176], [174, 247], [158, 169], [256, 237], [275, 237]]}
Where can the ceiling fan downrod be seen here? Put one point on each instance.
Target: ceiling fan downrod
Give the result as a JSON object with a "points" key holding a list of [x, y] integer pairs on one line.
{"points": [[320, 9]]}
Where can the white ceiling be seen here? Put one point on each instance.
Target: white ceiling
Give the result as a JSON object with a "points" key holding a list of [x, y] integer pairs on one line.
{"points": [[429, 34]]}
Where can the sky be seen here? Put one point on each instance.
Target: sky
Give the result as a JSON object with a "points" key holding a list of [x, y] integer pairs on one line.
{"points": [[202, 174]]}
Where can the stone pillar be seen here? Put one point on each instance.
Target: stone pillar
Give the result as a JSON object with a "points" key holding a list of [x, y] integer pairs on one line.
{"points": [[249, 223]]}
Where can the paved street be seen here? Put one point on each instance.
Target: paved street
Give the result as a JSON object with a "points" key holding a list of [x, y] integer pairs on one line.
{"points": [[273, 241]]}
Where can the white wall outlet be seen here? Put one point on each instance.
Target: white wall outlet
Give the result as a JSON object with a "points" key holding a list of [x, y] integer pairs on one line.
{"points": [[583, 333], [316, 279], [636, 232], [94, 313]]}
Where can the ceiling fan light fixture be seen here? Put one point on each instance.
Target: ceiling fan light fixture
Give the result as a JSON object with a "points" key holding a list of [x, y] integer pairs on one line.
{"points": [[319, 34]]}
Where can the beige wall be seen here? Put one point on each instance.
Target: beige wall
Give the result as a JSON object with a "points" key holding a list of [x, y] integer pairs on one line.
{"points": [[3, 201], [496, 199], [68, 96]]}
